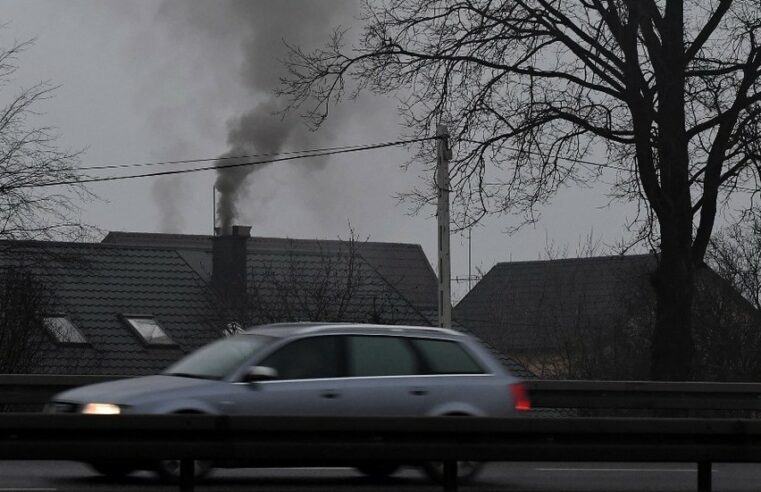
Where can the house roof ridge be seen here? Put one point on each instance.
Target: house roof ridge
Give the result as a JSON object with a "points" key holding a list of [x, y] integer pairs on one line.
{"points": [[573, 260], [36, 242], [15, 244], [119, 237]]}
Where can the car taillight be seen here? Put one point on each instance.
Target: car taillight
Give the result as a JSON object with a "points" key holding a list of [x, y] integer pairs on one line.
{"points": [[520, 397]]}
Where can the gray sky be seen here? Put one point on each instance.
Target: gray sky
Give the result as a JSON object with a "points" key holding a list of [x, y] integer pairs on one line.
{"points": [[153, 80]]}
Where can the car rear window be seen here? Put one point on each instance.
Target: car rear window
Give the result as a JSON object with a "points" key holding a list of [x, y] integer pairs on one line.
{"points": [[381, 356], [447, 357]]}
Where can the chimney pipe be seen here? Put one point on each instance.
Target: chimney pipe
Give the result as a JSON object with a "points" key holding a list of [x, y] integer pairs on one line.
{"points": [[229, 268]]}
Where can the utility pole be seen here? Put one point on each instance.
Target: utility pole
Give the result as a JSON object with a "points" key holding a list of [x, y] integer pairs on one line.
{"points": [[443, 155], [470, 272]]}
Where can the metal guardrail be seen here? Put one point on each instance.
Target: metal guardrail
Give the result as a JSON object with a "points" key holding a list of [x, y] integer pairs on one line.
{"points": [[287, 441], [645, 395], [37, 389]]}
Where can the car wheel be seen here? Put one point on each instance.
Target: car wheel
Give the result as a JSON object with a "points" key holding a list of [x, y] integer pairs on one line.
{"points": [[112, 469], [378, 470], [466, 470], [169, 470]]}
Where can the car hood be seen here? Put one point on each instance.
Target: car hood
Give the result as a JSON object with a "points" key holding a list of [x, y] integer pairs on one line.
{"points": [[133, 390]]}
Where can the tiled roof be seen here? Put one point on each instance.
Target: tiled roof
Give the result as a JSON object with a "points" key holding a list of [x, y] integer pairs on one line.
{"points": [[516, 368], [516, 305], [96, 283], [311, 285], [530, 307], [399, 280], [404, 266], [167, 277]]}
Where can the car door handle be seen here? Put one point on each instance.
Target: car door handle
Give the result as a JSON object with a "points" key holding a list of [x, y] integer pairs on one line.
{"points": [[330, 394], [419, 392]]}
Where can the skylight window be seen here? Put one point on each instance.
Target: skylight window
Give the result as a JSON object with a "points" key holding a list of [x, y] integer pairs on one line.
{"points": [[64, 331], [149, 330]]}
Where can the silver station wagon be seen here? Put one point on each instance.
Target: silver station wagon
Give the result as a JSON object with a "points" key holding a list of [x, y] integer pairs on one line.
{"points": [[315, 369]]}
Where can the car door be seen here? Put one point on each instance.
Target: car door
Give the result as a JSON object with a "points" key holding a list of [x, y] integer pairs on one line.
{"points": [[307, 381], [458, 383], [383, 377]]}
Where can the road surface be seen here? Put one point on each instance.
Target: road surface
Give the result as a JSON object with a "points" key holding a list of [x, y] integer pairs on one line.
{"points": [[55, 476]]}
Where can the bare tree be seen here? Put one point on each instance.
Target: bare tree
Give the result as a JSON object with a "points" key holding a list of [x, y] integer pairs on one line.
{"points": [[331, 284], [24, 302], [669, 87], [30, 162], [735, 253], [726, 331], [580, 344]]}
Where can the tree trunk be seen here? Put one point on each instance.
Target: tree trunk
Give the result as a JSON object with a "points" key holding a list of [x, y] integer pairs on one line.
{"points": [[673, 346]]}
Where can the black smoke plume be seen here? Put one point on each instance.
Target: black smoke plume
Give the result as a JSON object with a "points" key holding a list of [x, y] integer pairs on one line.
{"points": [[264, 27]]}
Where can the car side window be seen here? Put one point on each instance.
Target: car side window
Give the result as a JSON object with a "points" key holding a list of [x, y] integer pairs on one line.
{"points": [[381, 356], [307, 358], [447, 357]]}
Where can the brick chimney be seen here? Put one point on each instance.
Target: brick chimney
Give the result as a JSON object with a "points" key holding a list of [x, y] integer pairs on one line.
{"points": [[229, 268]]}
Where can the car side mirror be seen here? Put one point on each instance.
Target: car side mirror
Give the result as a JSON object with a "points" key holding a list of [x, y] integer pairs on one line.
{"points": [[259, 373]]}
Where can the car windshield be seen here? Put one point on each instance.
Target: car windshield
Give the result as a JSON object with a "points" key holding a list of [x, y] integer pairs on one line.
{"points": [[218, 359]]}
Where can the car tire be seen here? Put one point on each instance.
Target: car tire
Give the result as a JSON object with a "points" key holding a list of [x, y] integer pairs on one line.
{"points": [[378, 471], [112, 469], [466, 471], [169, 470]]}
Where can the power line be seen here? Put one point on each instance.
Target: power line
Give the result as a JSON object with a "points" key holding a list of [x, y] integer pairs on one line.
{"points": [[212, 159], [292, 155], [307, 151], [300, 155]]}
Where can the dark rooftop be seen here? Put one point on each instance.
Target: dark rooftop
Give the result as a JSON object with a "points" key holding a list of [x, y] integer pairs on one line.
{"points": [[517, 304]]}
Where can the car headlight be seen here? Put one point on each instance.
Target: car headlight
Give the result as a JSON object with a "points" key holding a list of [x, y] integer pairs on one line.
{"points": [[101, 409]]}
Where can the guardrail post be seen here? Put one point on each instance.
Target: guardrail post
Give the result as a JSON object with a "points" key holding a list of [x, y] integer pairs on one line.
{"points": [[704, 476], [187, 470], [450, 476]]}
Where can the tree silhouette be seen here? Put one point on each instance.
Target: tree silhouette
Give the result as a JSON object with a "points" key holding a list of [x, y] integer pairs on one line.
{"points": [[669, 88], [30, 160]]}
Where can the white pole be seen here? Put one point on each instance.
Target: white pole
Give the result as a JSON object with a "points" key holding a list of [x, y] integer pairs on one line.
{"points": [[470, 274], [443, 155]]}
